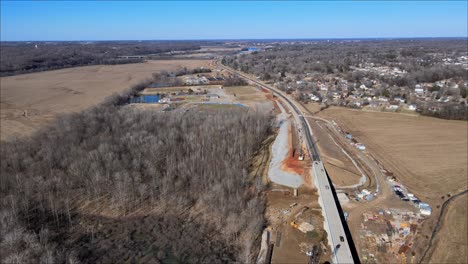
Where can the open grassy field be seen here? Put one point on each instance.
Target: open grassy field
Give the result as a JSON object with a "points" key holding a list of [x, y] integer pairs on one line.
{"points": [[178, 88], [242, 90], [45, 95], [217, 106], [427, 155], [250, 96], [339, 167], [312, 107], [451, 243]]}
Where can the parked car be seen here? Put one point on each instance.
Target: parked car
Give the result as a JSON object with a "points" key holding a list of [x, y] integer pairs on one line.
{"points": [[341, 238]]}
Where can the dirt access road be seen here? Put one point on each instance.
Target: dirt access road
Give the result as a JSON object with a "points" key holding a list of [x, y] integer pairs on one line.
{"points": [[375, 179], [333, 224], [427, 155], [442, 248], [44, 95], [336, 159]]}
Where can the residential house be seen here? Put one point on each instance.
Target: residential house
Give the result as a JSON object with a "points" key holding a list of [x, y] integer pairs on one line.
{"points": [[419, 89]]}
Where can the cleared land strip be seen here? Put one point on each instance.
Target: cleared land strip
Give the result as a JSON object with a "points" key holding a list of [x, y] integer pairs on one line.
{"points": [[342, 254]]}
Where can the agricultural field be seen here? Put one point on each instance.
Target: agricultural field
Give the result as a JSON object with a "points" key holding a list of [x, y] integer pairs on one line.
{"points": [[29, 101], [426, 155], [450, 245]]}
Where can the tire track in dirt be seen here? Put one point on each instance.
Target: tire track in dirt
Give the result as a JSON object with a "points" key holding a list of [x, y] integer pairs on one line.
{"points": [[439, 220]]}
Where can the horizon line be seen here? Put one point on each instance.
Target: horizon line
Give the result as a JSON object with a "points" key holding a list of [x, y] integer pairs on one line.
{"points": [[245, 39]]}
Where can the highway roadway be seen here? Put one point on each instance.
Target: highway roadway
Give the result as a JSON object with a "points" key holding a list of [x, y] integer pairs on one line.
{"points": [[337, 239]]}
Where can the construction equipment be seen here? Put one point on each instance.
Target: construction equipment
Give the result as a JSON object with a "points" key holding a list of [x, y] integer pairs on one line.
{"points": [[301, 156], [294, 224]]}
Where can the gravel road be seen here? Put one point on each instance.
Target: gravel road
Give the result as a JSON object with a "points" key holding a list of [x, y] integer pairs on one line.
{"points": [[280, 151]]}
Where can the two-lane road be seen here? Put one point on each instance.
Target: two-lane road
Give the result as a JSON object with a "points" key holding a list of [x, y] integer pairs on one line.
{"points": [[337, 239]]}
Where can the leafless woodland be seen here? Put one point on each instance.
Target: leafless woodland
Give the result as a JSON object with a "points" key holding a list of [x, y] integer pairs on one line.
{"points": [[117, 184], [26, 57]]}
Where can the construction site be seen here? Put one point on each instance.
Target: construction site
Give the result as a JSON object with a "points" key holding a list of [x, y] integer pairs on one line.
{"points": [[389, 235], [295, 226], [295, 230], [386, 218]]}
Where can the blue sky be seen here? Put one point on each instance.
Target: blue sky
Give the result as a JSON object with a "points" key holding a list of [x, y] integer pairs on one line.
{"points": [[120, 20]]}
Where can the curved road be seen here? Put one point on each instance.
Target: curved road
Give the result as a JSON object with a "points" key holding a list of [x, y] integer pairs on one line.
{"points": [[436, 228], [333, 221]]}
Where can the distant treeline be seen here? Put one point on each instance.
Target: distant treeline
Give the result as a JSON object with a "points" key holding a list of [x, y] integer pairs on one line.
{"points": [[26, 57], [117, 184], [454, 111], [185, 71], [422, 59], [235, 81]]}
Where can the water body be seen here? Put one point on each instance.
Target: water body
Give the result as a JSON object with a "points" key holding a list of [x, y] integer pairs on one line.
{"points": [[146, 99]]}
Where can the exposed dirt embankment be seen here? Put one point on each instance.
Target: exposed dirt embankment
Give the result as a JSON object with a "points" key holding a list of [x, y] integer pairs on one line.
{"points": [[280, 150], [292, 163]]}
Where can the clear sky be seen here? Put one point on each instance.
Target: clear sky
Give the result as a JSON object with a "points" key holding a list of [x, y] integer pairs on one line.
{"points": [[120, 20]]}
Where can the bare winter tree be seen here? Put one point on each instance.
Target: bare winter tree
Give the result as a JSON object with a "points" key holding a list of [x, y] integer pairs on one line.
{"points": [[177, 186]]}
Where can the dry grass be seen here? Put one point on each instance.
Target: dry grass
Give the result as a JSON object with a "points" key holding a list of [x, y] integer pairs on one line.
{"points": [[451, 243], [291, 248], [428, 155], [312, 107], [175, 89], [242, 90], [249, 95], [217, 106], [47, 94], [339, 167]]}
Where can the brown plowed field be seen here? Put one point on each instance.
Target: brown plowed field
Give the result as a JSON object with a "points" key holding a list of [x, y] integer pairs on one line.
{"points": [[429, 156]]}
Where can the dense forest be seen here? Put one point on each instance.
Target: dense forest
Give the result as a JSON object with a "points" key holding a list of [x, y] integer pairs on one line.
{"points": [[118, 184], [25, 57]]}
